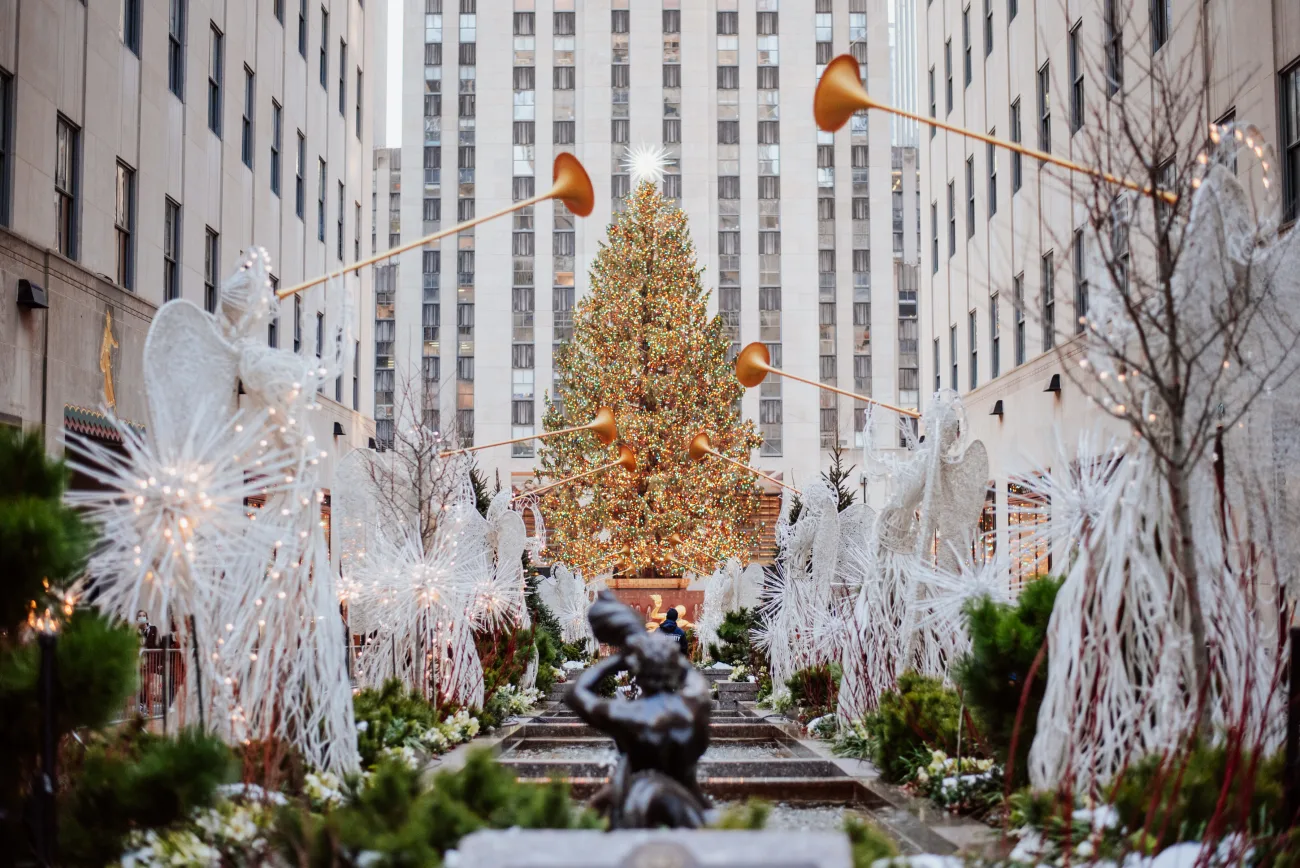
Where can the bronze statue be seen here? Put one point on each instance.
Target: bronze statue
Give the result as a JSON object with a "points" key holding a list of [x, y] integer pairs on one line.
{"points": [[660, 736]]}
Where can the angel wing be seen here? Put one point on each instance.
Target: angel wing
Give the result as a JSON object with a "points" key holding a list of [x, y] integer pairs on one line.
{"points": [[962, 485], [190, 374]]}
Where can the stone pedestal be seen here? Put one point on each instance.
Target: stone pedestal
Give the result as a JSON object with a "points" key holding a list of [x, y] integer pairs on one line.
{"points": [[654, 849]]}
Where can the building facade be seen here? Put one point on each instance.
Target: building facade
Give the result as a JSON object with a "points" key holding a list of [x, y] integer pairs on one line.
{"points": [[1005, 276], [491, 95], [144, 146]]}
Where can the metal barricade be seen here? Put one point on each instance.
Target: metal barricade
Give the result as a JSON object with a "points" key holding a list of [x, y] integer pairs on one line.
{"points": [[162, 671]]}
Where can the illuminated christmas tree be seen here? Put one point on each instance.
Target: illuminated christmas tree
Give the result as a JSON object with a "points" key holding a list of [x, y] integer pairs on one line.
{"points": [[644, 345]]}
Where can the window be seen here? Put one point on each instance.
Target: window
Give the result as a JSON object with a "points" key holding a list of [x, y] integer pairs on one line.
{"points": [[302, 28], [216, 63], [278, 8], [273, 327], [934, 236], [131, 25], [952, 355], [974, 351], [1018, 302], [952, 218], [356, 376], [1289, 100], [211, 262], [124, 223], [67, 180], [1230, 117], [320, 201], [297, 323], [938, 367], [1013, 6], [356, 232], [934, 108], [1080, 284], [176, 49], [246, 129], [1114, 48], [947, 71], [360, 91], [965, 47], [171, 250], [1159, 24], [343, 78], [1049, 301], [300, 183], [995, 338], [1119, 241], [339, 251], [277, 141], [1076, 80], [324, 48], [320, 333], [1045, 108], [992, 157], [6, 143], [988, 27], [970, 197], [1017, 175]]}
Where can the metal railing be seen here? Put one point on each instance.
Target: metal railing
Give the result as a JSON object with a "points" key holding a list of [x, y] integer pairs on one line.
{"points": [[162, 671]]}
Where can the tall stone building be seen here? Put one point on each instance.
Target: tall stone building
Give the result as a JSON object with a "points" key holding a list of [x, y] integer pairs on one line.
{"points": [[804, 236], [1005, 274], [143, 147]]}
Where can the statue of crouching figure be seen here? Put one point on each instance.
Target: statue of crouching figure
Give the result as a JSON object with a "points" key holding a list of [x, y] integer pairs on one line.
{"points": [[660, 736]]}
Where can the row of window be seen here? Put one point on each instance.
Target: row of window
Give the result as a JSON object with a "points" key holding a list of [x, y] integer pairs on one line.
{"points": [[1046, 317]]}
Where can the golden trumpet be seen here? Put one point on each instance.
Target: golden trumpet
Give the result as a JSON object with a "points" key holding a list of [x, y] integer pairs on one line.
{"points": [[602, 426], [840, 93], [754, 363], [571, 186], [701, 446], [626, 459]]}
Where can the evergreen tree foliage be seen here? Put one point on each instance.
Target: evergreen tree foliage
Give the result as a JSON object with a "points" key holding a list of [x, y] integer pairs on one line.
{"points": [[137, 780], [644, 345], [920, 715], [96, 663], [839, 478], [1005, 640]]}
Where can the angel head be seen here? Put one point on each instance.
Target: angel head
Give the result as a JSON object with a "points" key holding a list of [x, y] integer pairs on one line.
{"points": [[247, 298], [943, 421]]}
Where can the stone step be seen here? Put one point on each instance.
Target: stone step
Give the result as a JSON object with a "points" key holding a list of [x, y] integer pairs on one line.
{"points": [[745, 728], [740, 769]]}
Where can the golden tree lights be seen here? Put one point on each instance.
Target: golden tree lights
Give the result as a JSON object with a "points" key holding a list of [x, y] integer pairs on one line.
{"points": [[643, 344]]}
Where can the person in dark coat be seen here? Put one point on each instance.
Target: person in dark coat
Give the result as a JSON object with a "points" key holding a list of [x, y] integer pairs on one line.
{"points": [[670, 628]]}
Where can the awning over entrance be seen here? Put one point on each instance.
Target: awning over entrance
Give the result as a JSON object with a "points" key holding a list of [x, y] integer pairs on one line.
{"points": [[92, 423]]}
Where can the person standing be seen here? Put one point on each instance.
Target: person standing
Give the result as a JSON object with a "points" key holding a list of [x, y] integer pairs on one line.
{"points": [[670, 628]]}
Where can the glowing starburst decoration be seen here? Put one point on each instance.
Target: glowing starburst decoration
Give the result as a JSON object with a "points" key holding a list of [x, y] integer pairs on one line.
{"points": [[172, 518], [646, 163]]}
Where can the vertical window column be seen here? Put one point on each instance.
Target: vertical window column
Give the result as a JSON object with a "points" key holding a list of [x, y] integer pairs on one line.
{"points": [[385, 282], [768, 95], [523, 295], [672, 126], [465, 204], [563, 78], [620, 87]]}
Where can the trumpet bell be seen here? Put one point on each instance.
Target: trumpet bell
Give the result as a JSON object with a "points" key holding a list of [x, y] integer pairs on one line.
{"points": [[700, 447], [627, 458], [753, 364], [572, 186], [603, 426], [839, 94]]}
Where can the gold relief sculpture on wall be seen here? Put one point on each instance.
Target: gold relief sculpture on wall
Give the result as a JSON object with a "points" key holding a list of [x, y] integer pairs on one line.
{"points": [[106, 346]]}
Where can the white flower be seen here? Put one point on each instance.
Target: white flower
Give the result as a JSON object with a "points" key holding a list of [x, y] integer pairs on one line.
{"points": [[324, 789], [363, 725]]}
